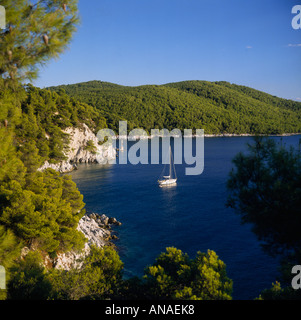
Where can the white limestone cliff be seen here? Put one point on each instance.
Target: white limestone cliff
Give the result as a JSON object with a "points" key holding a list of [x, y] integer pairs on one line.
{"points": [[78, 153], [96, 228]]}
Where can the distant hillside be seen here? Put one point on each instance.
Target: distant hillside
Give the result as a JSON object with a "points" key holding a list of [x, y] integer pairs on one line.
{"points": [[217, 107]]}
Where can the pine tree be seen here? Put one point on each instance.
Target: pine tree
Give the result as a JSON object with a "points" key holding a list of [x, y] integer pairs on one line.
{"points": [[175, 276], [35, 33], [9, 251]]}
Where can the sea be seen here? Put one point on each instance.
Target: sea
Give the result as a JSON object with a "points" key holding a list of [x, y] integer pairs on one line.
{"points": [[191, 216]]}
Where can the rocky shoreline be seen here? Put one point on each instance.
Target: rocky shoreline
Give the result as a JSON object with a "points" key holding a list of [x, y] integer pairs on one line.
{"points": [[218, 135], [97, 229], [83, 147]]}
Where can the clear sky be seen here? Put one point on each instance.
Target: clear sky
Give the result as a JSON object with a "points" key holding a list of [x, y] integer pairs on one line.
{"points": [[136, 42]]}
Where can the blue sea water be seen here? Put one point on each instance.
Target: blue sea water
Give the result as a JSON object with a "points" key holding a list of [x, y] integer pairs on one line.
{"points": [[191, 216]]}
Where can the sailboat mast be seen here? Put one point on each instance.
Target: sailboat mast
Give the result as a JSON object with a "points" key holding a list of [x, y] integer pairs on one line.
{"points": [[169, 180]]}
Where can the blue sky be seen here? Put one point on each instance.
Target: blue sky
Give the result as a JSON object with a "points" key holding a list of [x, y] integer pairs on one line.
{"points": [[136, 42]]}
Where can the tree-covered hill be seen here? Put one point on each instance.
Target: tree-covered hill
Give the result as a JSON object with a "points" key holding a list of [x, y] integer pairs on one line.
{"points": [[217, 107], [264, 97], [45, 114]]}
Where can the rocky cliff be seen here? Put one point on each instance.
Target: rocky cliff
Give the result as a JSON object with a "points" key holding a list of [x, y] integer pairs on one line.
{"points": [[83, 148], [97, 230]]}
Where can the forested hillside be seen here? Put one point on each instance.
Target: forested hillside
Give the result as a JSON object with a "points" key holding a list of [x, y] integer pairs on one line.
{"points": [[45, 114], [216, 107], [38, 207]]}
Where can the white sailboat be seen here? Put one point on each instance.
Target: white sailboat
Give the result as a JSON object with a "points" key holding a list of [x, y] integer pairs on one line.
{"points": [[171, 179]]}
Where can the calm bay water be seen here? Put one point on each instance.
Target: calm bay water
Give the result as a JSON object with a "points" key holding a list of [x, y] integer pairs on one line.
{"points": [[191, 216]]}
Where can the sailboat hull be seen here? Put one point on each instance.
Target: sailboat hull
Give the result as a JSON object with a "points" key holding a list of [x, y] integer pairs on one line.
{"points": [[167, 182]]}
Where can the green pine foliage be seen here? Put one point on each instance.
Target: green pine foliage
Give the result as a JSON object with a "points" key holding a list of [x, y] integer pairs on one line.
{"points": [[174, 276], [216, 107], [10, 249], [45, 115], [29, 279], [37, 31], [90, 146], [99, 278], [264, 188], [277, 292], [41, 208]]}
